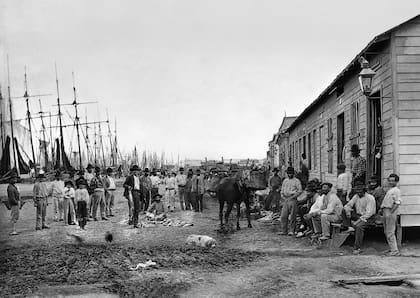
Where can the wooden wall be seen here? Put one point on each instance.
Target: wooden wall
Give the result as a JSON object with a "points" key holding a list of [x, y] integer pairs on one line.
{"points": [[406, 57], [332, 106]]}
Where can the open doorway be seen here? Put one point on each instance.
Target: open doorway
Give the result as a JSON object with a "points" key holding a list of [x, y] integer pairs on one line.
{"points": [[340, 139], [374, 136]]}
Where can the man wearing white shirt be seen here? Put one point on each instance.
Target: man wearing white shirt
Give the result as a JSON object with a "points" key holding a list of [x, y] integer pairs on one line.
{"points": [[132, 187], [181, 180]]}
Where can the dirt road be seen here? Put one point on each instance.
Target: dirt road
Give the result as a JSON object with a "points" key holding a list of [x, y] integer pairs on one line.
{"points": [[249, 263]]}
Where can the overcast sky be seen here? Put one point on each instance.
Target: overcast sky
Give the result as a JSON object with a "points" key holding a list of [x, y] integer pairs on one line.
{"points": [[198, 78]]}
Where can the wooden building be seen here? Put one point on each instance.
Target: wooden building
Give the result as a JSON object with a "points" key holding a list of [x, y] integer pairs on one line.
{"points": [[278, 147], [385, 123]]}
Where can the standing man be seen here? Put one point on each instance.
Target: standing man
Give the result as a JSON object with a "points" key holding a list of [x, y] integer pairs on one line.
{"points": [[389, 206], [132, 186], [110, 188], [41, 193], [198, 190], [98, 196], [343, 183], [181, 180], [57, 193], [290, 190], [146, 184], [155, 183], [189, 199], [275, 185], [171, 190], [358, 168], [358, 214], [13, 197], [330, 212], [89, 175], [304, 171]]}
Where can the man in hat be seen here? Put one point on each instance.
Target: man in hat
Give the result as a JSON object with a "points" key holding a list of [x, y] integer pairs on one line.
{"points": [[314, 203], [330, 212], [376, 190], [13, 197], [290, 190], [146, 184], [68, 203], [275, 185], [358, 168], [181, 180], [358, 213], [154, 177], [171, 189], [97, 185], [110, 187], [41, 194], [57, 193], [190, 203], [343, 183], [197, 189], [157, 209], [132, 190]]}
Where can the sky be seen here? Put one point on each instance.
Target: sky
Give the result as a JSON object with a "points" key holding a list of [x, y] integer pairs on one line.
{"points": [[189, 77]]}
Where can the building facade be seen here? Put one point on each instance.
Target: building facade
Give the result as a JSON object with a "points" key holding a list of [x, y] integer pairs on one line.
{"points": [[385, 124]]}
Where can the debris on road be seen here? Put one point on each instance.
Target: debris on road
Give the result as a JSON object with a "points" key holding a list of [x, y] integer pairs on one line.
{"points": [[149, 263]]}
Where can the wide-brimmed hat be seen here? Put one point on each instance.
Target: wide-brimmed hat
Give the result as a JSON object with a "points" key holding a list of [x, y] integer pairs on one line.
{"points": [[109, 170], [275, 170], [359, 185], [40, 175], [157, 197], [181, 169], [290, 170], [134, 168], [146, 170], [355, 148], [68, 182], [89, 166], [81, 181], [341, 166], [327, 184]]}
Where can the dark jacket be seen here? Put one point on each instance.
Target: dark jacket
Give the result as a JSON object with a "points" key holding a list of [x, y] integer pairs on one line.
{"points": [[129, 182], [13, 195]]}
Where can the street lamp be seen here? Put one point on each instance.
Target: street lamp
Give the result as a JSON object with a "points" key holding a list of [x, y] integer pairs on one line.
{"points": [[366, 76]]}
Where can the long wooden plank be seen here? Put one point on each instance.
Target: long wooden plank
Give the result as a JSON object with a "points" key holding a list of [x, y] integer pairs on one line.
{"points": [[409, 140], [410, 86], [408, 58], [409, 131], [408, 95], [409, 158], [409, 149], [409, 209], [378, 279], [410, 220], [409, 190], [408, 114], [411, 29], [413, 104], [410, 179], [413, 168], [410, 200], [407, 50], [409, 122], [407, 41]]}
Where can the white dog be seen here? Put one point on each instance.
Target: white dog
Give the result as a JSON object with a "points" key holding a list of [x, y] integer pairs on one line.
{"points": [[201, 240]]}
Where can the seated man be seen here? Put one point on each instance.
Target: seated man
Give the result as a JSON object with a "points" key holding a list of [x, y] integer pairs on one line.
{"points": [[330, 212], [156, 210], [359, 213], [309, 206]]}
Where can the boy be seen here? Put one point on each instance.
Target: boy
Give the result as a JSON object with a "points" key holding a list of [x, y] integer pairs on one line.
{"points": [[343, 184], [14, 202], [68, 203], [389, 206], [157, 209], [40, 201], [81, 197]]}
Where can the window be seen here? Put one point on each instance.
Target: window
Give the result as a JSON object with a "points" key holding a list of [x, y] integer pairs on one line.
{"points": [[300, 149], [330, 145], [354, 125], [309, 152], [339, 91], [340, 138], [314, 146]]}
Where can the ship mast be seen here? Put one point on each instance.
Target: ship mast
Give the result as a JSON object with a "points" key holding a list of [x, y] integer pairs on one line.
{"points": [[28, 115], [11, 117], [61, 157]]}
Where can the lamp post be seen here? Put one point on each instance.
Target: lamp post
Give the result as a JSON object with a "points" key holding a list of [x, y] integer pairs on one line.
{"points": [[365, 76]]}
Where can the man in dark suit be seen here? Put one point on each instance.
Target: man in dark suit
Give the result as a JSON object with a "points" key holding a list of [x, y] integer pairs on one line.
{"points": [[133, 193]]}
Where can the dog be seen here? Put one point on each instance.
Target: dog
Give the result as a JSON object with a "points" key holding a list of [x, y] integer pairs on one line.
{"points": [[201, 240]]}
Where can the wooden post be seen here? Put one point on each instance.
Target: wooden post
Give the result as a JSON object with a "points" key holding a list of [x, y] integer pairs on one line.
{"points": [[399, 232]]}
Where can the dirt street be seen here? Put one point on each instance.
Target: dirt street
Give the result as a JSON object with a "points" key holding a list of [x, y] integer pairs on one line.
{"points": [[247, 263]]}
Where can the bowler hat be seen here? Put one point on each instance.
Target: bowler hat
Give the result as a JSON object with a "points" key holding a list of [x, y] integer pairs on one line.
{"points": [[355, 148], [81, 181], [157, 197], [276, 170], [290, 170], [109, 170], [181, 169], [134, 168], [359, 184], [89, 166], [146, 170], [67, 182]]}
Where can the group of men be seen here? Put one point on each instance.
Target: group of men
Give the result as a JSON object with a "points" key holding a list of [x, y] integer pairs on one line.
{"points": [[350, 202], [181, 191]]}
